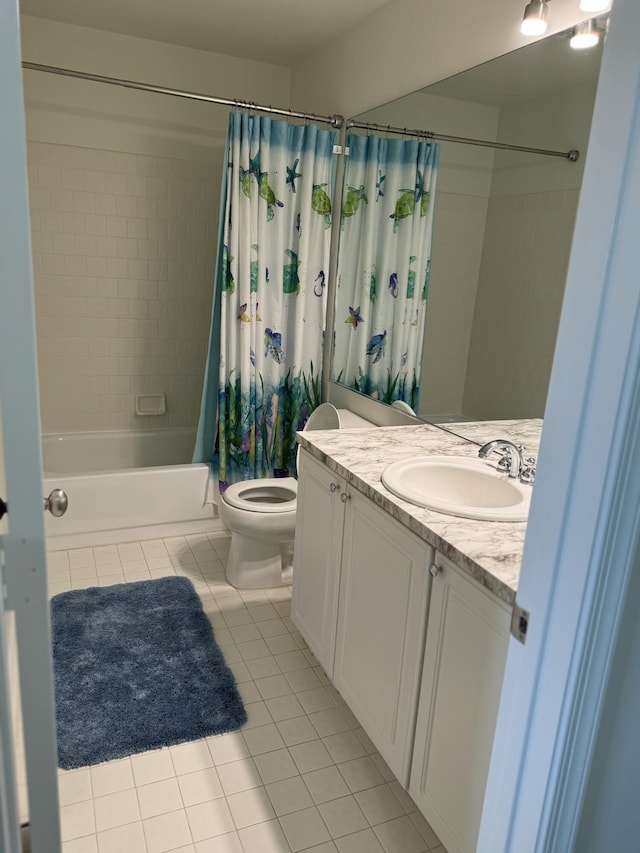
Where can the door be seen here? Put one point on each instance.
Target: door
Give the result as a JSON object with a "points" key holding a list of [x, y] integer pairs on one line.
{"points": [[22, 540], [384, 590], [465, 654], [316, 558]]}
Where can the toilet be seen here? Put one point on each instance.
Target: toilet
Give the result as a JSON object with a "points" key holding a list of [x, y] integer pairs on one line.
{"points": [[261, 516]]}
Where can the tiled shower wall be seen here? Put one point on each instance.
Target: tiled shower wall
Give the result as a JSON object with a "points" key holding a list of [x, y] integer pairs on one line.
{"points": [[123, 249]]}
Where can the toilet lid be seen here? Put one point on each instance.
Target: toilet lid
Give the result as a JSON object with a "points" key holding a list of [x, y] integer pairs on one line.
{"points": [[325, 416], [272, 494]]}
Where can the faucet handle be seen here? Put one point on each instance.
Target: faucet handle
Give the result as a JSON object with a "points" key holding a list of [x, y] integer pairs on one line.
{"points": [[504, 463], [528, 471]]}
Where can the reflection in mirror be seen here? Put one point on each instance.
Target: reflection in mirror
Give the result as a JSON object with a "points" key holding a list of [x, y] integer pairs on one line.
{"points": [[383, 272], [502, 233]]}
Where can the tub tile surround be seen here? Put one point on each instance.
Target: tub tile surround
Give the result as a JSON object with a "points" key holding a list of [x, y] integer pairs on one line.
{"points": [[123, 254], [489, 551], [301, 775]]}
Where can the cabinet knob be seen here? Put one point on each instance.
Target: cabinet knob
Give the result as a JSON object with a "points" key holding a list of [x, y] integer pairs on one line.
{"points": [[434, 570], [333, 487], [344, 497]]}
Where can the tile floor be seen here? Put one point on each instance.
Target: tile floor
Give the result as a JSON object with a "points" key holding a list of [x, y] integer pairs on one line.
{"points": [[300, 775]]}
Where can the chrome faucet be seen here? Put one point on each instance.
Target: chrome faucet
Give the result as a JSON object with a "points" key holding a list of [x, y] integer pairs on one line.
{"points": [[511, 462]]}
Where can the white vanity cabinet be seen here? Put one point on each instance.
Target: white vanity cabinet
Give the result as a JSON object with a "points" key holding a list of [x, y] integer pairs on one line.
{"points": [[360, 597], [318, 549], [384, 588], [419, 661], [465, 656]]}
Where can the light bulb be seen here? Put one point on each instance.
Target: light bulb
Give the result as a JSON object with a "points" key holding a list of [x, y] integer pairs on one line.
{"points": [[595, 5], [585, 35], [534, 22]]}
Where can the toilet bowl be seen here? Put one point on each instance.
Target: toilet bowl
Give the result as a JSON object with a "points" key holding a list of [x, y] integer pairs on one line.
{"points": [[261, 516]]}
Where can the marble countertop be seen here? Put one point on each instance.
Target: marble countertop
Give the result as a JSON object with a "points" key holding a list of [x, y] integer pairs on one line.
{"points": [[489, 551]]}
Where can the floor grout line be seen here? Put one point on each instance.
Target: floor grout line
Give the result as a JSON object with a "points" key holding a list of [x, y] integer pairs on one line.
{"points": [[256, 741]]}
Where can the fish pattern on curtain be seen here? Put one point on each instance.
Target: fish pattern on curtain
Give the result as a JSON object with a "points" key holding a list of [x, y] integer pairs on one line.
{"points": [[384, 262], [273, 271]]}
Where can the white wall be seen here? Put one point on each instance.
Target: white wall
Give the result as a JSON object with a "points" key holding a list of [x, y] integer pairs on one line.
{"points": [[78, 112], [124, 192]]}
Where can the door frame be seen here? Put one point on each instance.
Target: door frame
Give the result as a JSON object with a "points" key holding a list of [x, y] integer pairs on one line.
{"points": [[584, 521], [24, 569]]}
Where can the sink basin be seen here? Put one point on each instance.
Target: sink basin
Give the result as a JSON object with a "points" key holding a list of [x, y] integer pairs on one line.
{"points": [[459, 485]]}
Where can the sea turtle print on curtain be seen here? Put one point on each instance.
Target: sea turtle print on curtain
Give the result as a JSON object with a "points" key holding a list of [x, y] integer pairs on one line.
{"points": [[384, 264], [274, 263]]}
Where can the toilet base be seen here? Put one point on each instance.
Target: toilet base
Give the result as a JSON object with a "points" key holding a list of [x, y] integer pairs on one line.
{"points": [[258, 564]]}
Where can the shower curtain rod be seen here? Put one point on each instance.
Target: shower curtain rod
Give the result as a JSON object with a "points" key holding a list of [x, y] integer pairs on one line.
{"points": [[335, 121], [571, 155]]}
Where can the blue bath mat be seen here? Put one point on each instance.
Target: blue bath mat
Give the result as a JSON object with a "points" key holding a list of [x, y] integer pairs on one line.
{"points": [[136, 667]]}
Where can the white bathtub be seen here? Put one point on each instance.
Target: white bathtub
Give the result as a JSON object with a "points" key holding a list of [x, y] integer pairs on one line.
{"points": [[126, 486], [87, 452]]}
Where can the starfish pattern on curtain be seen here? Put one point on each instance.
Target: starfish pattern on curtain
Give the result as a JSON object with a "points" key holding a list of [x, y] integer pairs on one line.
{"points": [[272, 272]]}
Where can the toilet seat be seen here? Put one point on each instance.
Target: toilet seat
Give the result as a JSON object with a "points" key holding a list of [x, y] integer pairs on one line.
{"points": [[261, 516], [271, 494]]}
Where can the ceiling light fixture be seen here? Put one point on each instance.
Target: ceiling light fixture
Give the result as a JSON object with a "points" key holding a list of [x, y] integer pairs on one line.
{"points": [[585, 35], [534, 22], [595, 5]]}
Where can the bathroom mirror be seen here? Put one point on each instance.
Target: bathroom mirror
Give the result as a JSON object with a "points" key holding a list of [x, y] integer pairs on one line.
{"points": [[503, 225]]}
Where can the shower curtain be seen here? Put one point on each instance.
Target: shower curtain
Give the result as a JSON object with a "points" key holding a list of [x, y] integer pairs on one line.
{"points": [[383, 272], [265, 351]]}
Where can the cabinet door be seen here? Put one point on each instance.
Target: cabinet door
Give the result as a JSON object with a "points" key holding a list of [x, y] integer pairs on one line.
{"points": [[381, 624], [316, 558], [465, 655]]}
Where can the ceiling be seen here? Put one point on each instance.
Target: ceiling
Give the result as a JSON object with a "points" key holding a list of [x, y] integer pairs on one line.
{"points": [[276, 31]]}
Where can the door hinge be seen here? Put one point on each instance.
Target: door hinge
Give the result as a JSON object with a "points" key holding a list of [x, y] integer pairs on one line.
{"points": [[519, 622], [341, 149]]}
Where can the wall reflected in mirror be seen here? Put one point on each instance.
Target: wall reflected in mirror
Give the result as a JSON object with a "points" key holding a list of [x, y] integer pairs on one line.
{"points": [[503, 225]]}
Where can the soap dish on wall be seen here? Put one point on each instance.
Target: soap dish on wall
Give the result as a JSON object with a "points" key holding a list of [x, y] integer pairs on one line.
{"points": [[151, 404]]}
